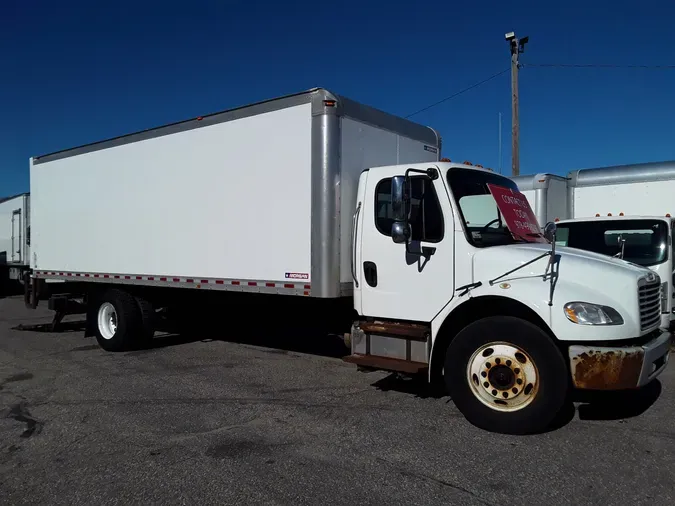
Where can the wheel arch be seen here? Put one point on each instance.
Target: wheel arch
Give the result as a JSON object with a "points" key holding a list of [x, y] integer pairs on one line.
{"points": [[477, 308]]}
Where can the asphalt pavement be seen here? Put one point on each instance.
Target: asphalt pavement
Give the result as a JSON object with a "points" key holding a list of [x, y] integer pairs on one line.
{"points": [[258, 415]]}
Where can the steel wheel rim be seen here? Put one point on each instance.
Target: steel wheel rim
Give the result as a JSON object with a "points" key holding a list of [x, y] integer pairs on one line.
{"points": [[107, 320], [503, 376]]}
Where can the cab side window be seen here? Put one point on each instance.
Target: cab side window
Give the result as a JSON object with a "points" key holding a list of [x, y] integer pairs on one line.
{"points": [[426, 216]]}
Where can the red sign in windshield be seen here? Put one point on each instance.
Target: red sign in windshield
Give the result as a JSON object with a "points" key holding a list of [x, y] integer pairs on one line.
{"points": [[517, 213]]}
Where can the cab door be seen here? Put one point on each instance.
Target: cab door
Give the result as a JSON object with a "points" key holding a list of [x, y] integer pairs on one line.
{"points": [[396, 282]]}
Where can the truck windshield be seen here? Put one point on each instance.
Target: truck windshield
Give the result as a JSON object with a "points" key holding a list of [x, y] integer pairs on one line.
{"points": [[645, 242], [483, 224]]}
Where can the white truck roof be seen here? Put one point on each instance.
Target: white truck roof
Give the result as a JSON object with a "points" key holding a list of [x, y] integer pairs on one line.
{"points": [[616, 218], [618, 174]]}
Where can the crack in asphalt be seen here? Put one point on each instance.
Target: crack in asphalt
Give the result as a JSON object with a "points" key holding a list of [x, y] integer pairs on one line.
{"points": [[19, 412]]}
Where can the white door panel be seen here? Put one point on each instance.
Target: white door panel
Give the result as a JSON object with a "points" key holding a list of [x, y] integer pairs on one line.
{"points": [[395, 284]]}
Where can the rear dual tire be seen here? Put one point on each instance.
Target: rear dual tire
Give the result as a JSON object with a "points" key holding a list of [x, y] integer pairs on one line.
{"points": [[121, 321], [506, 375]]}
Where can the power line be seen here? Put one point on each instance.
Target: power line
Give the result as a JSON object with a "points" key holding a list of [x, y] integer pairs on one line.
{"points": [[597, 65], [459, 92]]}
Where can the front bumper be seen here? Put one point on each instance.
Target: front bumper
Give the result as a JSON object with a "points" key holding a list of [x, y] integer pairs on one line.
{"points": [[618, 367]]}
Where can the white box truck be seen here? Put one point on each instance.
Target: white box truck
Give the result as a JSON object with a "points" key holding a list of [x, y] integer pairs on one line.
{"points": [[547, 195], [14, 237], [316, 196], [625, 211]]}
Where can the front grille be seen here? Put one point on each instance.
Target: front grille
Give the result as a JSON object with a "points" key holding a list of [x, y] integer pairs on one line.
{"points": [[649, 293]]}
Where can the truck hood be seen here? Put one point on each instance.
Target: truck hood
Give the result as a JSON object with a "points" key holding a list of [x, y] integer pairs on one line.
{"points": [[497, 260], [581, 276]]}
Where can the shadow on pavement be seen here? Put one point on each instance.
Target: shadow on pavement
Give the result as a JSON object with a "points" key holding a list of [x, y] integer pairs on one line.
{"points": [[591, 405], [618, 405], [69, 326]]}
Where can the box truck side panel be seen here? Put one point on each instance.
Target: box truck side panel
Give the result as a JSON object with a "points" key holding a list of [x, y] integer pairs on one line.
{"points": [[644, 198], [364, 146], [556, 204], [228, 200]]}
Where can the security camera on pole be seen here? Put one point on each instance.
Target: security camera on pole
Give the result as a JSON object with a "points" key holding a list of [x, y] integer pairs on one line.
{"points": [[517, 46]]}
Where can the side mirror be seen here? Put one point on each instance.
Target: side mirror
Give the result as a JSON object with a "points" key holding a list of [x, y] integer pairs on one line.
{"points": [[549, 231], [399, 199], [400, 232]]}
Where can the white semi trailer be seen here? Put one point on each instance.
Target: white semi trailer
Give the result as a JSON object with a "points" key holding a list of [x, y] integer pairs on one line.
{"points": [[14, 237], [316, 196]]}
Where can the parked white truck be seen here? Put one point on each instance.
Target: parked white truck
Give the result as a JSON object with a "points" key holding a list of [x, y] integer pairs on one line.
{"points": [[623, 211], [317, 196], [547, 195], [14, 237]]}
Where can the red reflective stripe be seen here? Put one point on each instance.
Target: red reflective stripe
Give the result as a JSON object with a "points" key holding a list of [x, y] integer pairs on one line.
{"points": [[289, 286], [270, 285], [219, 281], [252, 283], [205, 281], [237, 283]]}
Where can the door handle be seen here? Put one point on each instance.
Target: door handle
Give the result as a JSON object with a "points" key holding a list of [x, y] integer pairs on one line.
{"points": [[355, 221], [370, 273]]}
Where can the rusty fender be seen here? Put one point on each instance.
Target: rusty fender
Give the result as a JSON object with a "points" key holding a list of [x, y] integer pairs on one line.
{"points": [[606, 369]]}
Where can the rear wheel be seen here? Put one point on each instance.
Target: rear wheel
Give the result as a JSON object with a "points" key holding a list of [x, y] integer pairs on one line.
{"points": [[118, 320], [506, 375]]}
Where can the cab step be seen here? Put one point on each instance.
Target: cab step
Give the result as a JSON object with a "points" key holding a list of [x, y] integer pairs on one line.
{"points": [[387, 364]]}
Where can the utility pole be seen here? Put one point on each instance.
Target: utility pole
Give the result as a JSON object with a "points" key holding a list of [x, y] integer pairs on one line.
{"points": [[500, 142], [517, 46]]}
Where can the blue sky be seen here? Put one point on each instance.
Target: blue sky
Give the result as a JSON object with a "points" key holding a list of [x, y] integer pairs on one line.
{"points": [[82, 72]]}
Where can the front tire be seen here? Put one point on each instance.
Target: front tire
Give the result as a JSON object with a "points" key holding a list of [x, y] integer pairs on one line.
{"points": [[506, 375], [118, 321]]}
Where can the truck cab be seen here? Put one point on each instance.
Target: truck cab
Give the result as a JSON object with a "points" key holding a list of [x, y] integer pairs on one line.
{"points": [[454, 278], [642, 240]]}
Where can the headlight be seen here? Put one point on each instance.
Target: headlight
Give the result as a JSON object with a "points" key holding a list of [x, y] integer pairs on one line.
{"points": [[585, 313]]}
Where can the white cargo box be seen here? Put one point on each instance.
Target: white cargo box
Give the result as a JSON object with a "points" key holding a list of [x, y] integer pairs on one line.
{"points": [[258, 198], [14, 230], [546, 194], [643, 189]]}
